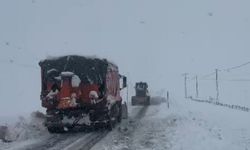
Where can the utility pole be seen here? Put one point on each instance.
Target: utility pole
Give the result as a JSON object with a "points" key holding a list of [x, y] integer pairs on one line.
{"points": [[127, 93], [185, 84], [168, 98], [197, 87], [217, 85]]}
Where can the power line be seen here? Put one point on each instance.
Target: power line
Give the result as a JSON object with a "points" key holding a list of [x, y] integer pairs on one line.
{"points": [[193, 78], [229, 80], [226, 70], [208, 75], [203, 77], [236, 67], [215, 75]]}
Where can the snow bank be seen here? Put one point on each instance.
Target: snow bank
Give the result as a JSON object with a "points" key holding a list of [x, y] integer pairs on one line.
{"points": [[26, 129], [3, 132], [186, 125]]}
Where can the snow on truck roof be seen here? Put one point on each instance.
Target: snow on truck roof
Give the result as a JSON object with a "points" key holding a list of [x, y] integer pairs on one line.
{"points": [[88, 69], [78, 57]]}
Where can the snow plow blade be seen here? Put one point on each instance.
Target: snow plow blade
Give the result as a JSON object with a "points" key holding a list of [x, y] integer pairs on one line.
{"points": [[140, 100]]}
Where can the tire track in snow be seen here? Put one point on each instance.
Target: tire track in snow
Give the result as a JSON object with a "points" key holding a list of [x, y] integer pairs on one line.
{"points": [[141, 113], [80, 141], [87, 142], [127, 128], [54, 142]]}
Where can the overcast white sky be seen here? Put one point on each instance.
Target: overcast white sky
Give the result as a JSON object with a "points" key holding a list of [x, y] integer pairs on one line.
{"points": [[151, 40]]}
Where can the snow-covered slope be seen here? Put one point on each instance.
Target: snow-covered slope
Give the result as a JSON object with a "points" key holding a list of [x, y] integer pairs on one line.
{"points": [[186, 125]]}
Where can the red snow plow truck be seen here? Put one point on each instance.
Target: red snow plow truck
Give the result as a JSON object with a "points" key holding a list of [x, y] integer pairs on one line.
{"points": [[81, 93]]}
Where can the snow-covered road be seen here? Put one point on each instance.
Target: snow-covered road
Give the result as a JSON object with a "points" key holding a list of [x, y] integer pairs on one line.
{"points": [[33, 135], [29, 135], [186, 125]]}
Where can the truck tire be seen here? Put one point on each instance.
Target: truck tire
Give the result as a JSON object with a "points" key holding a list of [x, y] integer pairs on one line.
{"points": [[124, 111], [119, 117], [110, 124], [113, 116], [55, 130], [133, 103], [147, 100]]}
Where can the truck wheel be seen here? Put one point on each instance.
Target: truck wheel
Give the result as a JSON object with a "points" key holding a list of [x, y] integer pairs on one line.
{"points": [[133, 102], [124, 111], [55, 129], [112, 117], [148, 101], [110, 125], [119, 117], [51, 130]]}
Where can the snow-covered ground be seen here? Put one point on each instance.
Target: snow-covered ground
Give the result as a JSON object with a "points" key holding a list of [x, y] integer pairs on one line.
{"points": [[25, 132], [187, 125], [233, 87]]}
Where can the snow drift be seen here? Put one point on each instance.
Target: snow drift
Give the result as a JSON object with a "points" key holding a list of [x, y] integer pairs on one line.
{"points": [[24, 129]]}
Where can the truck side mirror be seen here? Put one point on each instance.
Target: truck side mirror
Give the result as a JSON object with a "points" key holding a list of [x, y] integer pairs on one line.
{"points": [[124, 83]]}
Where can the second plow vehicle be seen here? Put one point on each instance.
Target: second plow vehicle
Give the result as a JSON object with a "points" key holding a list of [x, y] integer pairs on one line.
{"points": [[81, 93], [142, 96]]}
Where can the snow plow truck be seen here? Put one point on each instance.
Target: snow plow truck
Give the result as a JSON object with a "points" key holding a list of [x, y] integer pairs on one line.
{"points": [[141, 94], [81, 93]]}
